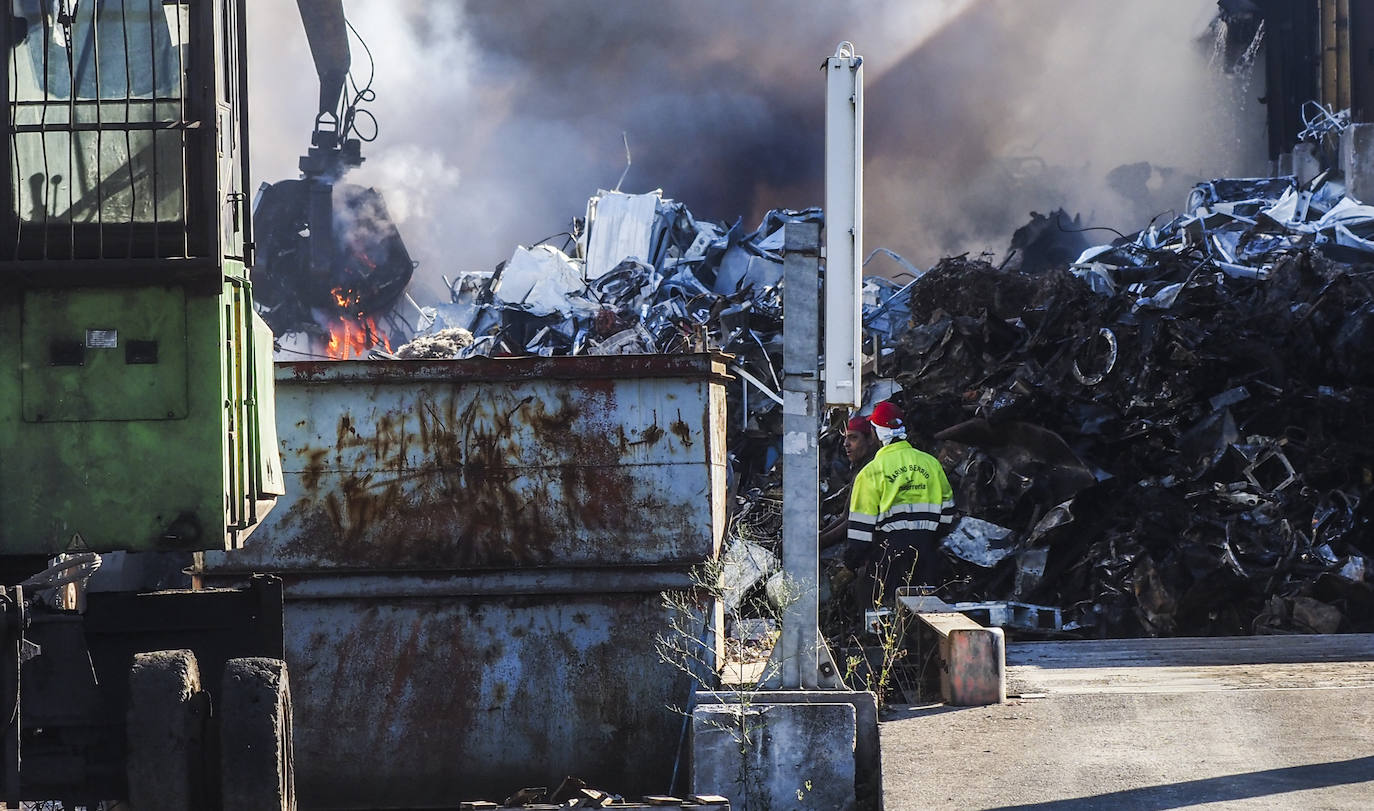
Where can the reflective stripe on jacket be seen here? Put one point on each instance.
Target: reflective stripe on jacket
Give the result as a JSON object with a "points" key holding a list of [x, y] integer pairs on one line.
{"points": [[901, 489]]}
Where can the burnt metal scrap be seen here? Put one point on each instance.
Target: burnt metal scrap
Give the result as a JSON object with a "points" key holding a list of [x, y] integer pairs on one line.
{"points": [[1169, 434], [356, 266]]}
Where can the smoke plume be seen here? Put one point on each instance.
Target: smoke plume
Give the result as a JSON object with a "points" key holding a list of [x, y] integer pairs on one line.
{"points": [[498, 120]]}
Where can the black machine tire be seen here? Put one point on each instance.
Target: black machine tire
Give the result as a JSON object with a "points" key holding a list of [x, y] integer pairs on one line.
{"points": [[257, 770], [164, 734]]}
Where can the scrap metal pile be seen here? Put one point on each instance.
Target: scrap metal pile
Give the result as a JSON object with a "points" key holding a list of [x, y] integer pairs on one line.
{"points": [[1166, 436], [1171, 434], [641, 275]]}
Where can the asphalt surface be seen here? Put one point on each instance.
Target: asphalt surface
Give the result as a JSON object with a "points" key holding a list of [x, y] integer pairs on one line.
{"points": [[1263, 722]]}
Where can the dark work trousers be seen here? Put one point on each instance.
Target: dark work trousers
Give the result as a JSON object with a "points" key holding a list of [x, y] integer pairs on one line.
{"points": [[903, 558]]}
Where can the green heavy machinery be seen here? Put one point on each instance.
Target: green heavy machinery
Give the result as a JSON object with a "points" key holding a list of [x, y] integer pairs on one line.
{"points": [[136, 421]]}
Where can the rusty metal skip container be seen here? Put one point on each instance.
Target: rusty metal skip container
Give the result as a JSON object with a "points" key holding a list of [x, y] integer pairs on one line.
{"points": [[474, 554]]}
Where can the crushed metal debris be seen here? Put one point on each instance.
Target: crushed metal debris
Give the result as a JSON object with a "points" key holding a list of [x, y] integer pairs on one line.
{"points": [[1165, 436], [573, 792], [538, 799], [1160, 435]]}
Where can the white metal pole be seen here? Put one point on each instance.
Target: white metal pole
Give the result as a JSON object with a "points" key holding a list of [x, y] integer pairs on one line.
{"points": [[844, 191]]}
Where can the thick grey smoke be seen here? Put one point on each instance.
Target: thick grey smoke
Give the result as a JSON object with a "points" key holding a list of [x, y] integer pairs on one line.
{"points": [[498, 120], [1108, 109]]}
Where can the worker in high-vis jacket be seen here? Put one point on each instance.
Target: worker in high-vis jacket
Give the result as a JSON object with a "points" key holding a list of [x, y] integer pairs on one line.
{"points": [[900, 507], [860, 444]]}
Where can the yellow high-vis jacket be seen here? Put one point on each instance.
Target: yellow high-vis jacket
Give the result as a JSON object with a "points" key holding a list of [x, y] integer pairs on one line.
{"points": [[903, 494]]}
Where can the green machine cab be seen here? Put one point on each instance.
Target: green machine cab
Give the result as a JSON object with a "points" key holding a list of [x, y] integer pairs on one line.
{"points": [[136, 418], [131, 361]]}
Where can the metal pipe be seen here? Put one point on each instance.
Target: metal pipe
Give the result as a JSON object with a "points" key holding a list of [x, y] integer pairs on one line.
{"points": [[1329, 78], [1361, 37], [99, 145], [1344, 66], [155, 181], [11, 663]]}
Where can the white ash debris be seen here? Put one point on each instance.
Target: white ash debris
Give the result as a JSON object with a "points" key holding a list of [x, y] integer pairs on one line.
{"points": [[446, 343]]}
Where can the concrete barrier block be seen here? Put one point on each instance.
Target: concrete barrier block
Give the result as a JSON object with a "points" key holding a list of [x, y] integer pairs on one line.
{"points": [[868, 765], [775, 756]]}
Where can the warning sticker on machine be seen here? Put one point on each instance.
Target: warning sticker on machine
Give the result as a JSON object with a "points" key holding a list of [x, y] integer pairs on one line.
{"points": [[102, 338]]}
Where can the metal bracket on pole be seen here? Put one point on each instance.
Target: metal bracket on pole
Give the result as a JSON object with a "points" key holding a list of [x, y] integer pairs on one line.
{"points": [[801, 659]]}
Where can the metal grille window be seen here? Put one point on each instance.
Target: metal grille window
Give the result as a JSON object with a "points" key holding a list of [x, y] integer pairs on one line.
{"points": [[98, 128]]}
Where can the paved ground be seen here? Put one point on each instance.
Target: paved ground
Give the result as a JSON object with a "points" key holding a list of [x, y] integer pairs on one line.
{"points": [[1262, 722]]}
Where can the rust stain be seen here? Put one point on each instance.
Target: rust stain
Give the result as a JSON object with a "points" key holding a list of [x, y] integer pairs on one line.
{"points": [[652, 434], [314, 468], [562, 420], [404, 664], [682, 430], [389, 442], [346, 432]]}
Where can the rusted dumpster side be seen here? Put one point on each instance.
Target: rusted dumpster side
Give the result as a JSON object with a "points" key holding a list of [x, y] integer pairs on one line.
{"points": [[473, 554]]}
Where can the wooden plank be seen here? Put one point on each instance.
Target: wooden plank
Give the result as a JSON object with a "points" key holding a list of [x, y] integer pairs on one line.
{"points": [[945, 624], [918, 604], [972, 658]]}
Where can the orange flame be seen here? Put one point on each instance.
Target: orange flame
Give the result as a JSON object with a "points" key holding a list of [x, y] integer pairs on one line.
{"points": [[345, 298], [354, 338]]}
